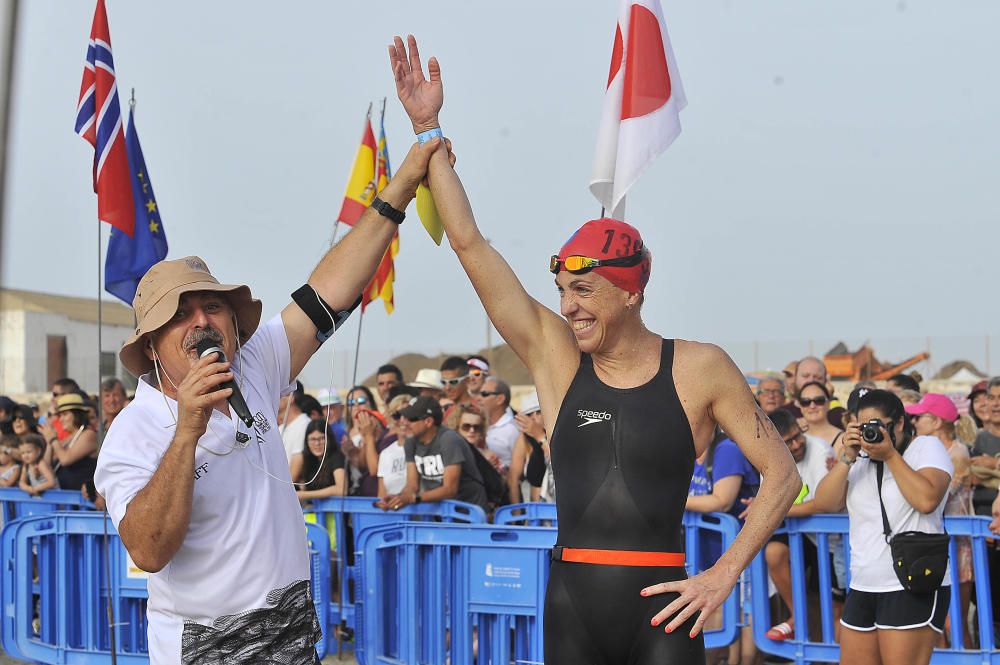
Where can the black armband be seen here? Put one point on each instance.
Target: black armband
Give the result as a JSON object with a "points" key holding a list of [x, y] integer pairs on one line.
{"points": [[326, 319]]}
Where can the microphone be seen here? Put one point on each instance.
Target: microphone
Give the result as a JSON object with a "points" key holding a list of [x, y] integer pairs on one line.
{"points": [[204, 348]]}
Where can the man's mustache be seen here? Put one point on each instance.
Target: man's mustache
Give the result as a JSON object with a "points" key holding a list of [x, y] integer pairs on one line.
{"points": [[197, 336]]}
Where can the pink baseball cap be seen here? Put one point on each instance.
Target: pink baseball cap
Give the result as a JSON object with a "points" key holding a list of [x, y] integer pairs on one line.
{"points": [[936, 405]]}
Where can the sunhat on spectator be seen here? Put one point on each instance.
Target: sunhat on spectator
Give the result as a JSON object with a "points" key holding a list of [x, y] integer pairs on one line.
{"points": [[159, 293]]}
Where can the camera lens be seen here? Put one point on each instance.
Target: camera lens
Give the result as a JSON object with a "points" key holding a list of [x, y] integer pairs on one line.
{"points": [[871, 431]]}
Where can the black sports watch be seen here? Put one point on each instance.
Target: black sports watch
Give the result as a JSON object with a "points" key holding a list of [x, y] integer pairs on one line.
{"points": [[416, 498], [388, 211]]}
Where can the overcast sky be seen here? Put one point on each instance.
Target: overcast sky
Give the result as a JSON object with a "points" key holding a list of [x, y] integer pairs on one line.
{"points": [[836, 177]]}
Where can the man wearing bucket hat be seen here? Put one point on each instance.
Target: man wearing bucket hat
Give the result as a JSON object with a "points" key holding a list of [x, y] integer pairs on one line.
{"points": [[202, 499], [630, 412]]}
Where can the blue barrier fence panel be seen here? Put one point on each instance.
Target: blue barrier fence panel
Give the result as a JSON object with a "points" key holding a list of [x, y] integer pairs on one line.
{"points": [[55, 587], [15, 503], [526, 514], [800, 649], [349, 516]]}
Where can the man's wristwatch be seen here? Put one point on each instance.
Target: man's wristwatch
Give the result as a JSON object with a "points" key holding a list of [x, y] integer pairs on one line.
{"points": [[386, 210], [846, 460], [416, 498]]}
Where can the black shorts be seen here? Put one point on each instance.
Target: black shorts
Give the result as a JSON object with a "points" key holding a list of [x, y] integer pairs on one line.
{"points": [[895, 610]]}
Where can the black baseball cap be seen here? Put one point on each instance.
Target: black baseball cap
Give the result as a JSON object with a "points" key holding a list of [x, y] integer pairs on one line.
{"points": [[421, 407]]}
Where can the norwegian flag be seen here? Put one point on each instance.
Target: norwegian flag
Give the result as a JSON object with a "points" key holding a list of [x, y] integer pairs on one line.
{"points": [[99, 121], [641, 113]]}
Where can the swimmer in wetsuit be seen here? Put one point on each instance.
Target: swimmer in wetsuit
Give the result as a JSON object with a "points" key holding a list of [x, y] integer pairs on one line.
{"points": [[632, 411]]}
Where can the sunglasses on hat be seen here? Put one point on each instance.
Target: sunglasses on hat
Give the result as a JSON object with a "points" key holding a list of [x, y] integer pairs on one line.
{"points": [[579, 265]]}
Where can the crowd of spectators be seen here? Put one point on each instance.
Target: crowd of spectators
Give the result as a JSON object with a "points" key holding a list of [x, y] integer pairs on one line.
{"points": [[450, 432], [802, 406], [57, 449]]}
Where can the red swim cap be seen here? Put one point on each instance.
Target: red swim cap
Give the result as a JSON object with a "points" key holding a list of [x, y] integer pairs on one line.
{"points": [[608, 238]]}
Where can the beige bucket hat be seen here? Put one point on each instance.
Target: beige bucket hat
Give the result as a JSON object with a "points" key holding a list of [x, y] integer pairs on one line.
{"points": [[159, 294]]}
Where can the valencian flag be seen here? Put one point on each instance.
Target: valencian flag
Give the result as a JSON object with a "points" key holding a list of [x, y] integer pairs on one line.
{"points": [[361, 185], [641, 113], [381, 284], [99, 121], [128, 257]]}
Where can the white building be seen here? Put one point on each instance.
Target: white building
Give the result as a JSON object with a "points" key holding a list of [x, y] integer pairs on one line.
{"points": [[44, 337]]}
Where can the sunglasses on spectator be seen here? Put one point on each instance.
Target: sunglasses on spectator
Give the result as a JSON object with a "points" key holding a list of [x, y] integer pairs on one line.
{"points": [[478, 373], [579, 265], [454, 382], [469, 427], [357, 400], [775, 392], [809, 401], [487, 393], [395, 415]]}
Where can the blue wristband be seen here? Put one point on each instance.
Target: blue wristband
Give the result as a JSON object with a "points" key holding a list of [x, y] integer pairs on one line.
{"points": [[424, 137]]}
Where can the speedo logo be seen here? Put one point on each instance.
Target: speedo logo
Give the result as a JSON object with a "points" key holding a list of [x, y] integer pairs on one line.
{"points": [[591, 417]]}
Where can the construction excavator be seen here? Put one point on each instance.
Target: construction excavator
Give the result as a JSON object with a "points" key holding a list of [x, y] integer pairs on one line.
{"points": [[860, 365]]}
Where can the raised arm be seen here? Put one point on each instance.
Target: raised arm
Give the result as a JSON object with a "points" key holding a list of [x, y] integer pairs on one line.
{"points": [[541, 338], [344, 271]]}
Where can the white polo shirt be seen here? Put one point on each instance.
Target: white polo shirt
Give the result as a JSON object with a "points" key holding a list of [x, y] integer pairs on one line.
{"points": [[501, 437], [871, 560], [237, 590]]}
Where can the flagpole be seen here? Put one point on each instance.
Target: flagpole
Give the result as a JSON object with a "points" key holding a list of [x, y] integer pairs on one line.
{"points": [[357, 349]]}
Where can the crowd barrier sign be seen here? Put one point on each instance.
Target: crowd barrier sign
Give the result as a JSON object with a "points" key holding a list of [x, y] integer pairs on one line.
{"points": [[800, 649], [60, 616]]}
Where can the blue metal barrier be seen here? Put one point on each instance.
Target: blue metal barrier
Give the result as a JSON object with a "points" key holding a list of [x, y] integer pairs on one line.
{"points": [[60, 615], [350, 516], [698, 528], [526, 514], [411, 611], [801, 650], [423, 587], [15, 503]]}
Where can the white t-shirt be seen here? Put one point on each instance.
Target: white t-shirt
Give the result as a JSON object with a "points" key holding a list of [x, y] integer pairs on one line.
{"points": [[501, 437], [293, 435], [813, 468], [237, 590], [871, 560], [392, 468]]}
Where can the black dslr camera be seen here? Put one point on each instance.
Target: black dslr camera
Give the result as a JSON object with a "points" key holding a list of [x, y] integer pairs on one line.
{"points": [[871, 431]]}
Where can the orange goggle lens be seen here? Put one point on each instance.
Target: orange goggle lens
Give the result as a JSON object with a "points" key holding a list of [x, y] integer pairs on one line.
{"points": [[572, 263]]}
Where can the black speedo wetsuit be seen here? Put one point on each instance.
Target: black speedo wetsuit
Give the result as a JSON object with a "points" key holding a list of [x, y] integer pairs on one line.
{"points": [[622, 460]]}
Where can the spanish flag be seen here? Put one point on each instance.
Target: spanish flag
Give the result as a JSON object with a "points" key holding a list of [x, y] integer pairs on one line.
{"points": [[361, 185], [381, 284]]}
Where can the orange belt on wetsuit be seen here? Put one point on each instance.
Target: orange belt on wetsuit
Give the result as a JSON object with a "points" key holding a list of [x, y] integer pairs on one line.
{"points": [[618, 557]]}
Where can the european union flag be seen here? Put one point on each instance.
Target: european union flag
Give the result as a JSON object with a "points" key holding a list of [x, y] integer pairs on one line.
{"points": [[129, 258]]}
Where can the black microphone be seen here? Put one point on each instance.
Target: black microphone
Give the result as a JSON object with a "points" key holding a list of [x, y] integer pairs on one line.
{"points": [[204, 348]]}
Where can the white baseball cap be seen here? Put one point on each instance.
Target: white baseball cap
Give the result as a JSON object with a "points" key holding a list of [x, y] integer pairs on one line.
{"points": [[328, 397], [529, 404]]}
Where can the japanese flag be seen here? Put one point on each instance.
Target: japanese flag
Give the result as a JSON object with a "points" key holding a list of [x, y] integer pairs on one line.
{"points": [[641, 113]]}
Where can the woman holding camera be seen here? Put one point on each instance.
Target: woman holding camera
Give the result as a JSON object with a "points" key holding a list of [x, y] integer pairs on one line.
{"points": [[882, 463]]}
